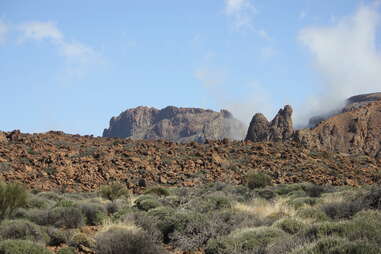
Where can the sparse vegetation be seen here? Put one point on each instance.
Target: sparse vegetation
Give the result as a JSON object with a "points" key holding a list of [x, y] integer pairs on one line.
{"points": [[258, 180], [114, 191], [12, 196], [215, 218]]}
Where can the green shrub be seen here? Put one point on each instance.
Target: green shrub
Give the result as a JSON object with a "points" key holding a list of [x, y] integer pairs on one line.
{"points": [[114, 191], [159, 191], [372, 199], [325, 229], [161, 212], [191, 231], [313, 190], [94, 213], [290, 225], [312, 213], [121, 241], [286, 189], [37, 202], [65, 203], [12, 196], [112, 208], [69, 217], [58, 236], [66, 250], [81, 239], [257, 180], [212, 202], [247, 240], [334, 245], [299, 202], [273, 217], [50, 196], [365, 225], [147, 204], [341, 210], [22, 230], [267, 194], [21, 247]]}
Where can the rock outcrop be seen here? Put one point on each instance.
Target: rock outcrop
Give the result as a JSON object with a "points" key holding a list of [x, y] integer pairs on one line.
{"points": [[3, 137], [356, 129], [350, 104], [279, 129], [175, 124]]}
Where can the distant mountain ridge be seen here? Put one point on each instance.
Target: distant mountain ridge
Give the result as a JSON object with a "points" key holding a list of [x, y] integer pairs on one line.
{"points": [[175, 124]]}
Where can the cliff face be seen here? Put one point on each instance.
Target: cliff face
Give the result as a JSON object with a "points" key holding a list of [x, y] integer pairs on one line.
{"points": [[279, 129], [175, 124], [356, 129]]}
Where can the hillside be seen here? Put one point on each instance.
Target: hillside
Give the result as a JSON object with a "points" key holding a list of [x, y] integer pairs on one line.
{"points": [[353, 130], [56, 160]]}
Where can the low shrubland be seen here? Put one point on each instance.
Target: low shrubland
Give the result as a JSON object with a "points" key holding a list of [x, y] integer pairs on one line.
{"points": [[218, 218]]}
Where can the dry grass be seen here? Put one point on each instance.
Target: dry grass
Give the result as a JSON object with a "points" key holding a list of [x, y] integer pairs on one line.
{"points": [[264, 208], [109, 224]]}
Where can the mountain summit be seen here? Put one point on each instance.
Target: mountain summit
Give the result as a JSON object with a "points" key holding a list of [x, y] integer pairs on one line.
{"points": [[175, 124]]}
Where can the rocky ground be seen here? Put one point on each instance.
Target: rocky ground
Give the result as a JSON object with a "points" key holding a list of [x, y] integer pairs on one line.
{"points": [[56, 160]]}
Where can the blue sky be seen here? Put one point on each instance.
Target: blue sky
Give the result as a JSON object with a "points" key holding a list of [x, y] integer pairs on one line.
{"points": [[72, 65]]}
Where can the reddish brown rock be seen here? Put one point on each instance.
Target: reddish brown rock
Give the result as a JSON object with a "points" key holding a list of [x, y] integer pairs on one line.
{"points": [[356, 132], [3, 137], [56, 161]]}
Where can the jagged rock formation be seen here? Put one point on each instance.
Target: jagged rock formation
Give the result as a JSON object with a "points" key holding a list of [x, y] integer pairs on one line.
{"points": [[279, 129], [355, 130], [175, 124]]}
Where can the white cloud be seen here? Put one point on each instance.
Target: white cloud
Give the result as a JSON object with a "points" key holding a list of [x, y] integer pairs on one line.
{"points": [[256, 99], [241, 12], [3, 31], [40, 31], [78, 56], [252, 97], [346, 56]]}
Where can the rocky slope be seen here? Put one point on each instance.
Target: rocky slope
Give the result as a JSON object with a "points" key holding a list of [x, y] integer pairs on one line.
{"points": [[56, 160], [355, 130], [175, 124]]}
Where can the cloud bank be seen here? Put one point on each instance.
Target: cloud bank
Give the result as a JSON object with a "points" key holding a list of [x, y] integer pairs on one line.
{"points": [[48, 31], [346, 57]]}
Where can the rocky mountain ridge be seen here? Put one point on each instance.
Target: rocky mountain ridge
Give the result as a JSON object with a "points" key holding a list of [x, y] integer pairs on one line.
{"points": [[175, 124], [355, 130]]}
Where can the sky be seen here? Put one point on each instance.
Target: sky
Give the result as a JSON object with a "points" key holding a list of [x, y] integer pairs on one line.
{"points": [[71, 65]]}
